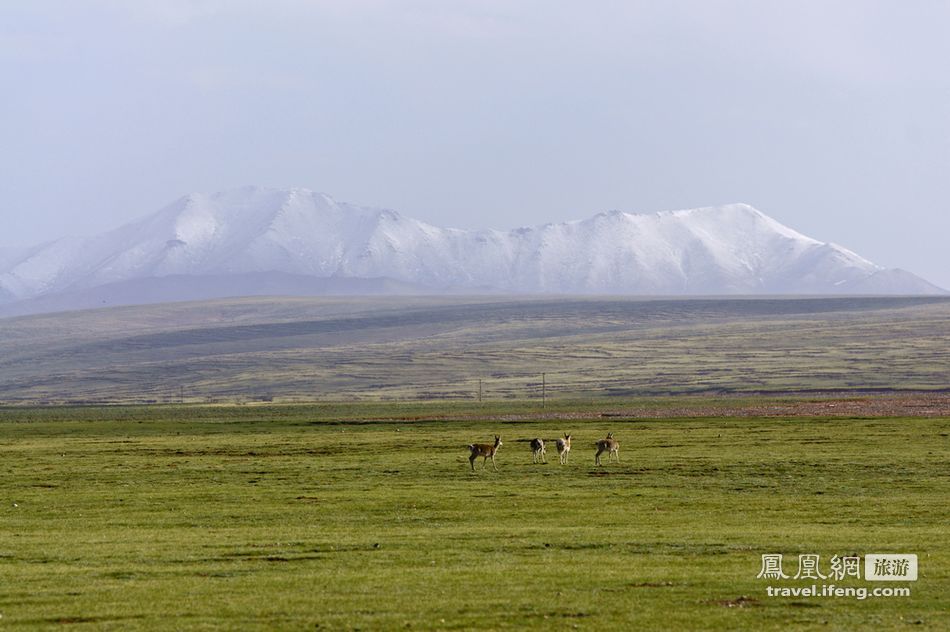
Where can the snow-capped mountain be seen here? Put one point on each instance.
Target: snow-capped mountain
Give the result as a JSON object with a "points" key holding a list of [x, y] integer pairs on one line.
{"points": [[733, 249]]}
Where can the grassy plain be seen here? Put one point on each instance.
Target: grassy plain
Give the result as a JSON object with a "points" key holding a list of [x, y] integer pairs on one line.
{"points": [[366, 516], [402, 349]]}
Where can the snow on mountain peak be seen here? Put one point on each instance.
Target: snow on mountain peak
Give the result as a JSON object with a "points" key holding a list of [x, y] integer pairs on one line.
{"points": [[727, 249]]}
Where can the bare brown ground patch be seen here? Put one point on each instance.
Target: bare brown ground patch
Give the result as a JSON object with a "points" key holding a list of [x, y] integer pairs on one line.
{"points": [[924, 405]]}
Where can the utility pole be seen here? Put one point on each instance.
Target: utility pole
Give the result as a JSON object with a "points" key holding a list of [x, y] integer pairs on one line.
{"points": [[181, 394], [543, 389], [479, 390]]}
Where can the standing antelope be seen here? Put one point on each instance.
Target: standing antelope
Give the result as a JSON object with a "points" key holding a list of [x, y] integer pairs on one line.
{"points": [[485, 450], [564, 448], [608, 445], [537, 451]]}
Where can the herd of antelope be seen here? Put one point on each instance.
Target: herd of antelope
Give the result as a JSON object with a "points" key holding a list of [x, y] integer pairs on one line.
{"points": [[487, 450]]}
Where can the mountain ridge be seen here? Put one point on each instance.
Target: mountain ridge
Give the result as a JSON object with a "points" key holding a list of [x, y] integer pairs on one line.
{"points": [[713, 250]]}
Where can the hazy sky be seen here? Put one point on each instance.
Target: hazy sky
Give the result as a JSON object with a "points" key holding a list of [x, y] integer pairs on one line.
{"points": [[833, 116]]}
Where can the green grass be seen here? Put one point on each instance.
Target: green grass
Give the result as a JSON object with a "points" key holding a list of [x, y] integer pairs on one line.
{"points": [[302, 517]]}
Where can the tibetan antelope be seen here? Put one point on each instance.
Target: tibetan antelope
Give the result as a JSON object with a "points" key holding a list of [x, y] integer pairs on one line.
{"points": [[537, 451], [564, 449], [608, 445], [484, 450]]}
